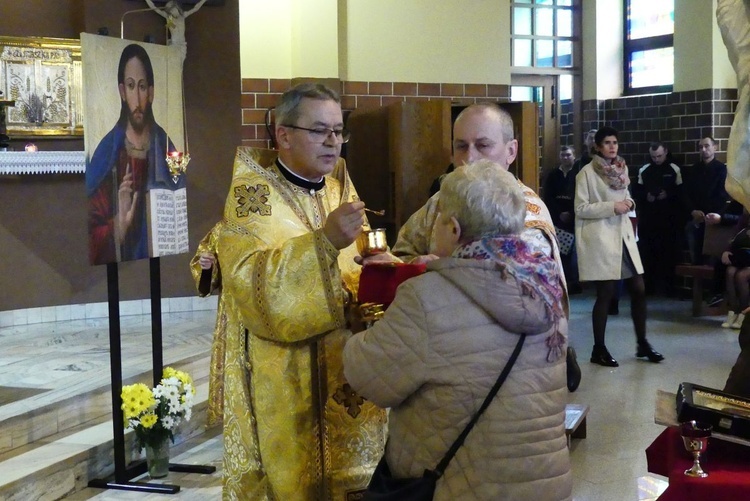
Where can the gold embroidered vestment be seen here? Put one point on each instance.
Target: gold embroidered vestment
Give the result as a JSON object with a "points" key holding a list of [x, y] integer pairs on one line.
{"points": [[292, 428]]}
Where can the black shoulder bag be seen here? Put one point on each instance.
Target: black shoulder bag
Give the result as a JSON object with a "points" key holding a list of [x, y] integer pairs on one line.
{"points": [[383, 487]]}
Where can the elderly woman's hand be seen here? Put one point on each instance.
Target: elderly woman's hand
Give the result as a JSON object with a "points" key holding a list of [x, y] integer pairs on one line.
{"points": [[385, 257], [424, 259]]}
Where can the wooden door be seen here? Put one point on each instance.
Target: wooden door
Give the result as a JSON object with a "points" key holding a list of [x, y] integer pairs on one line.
{"points": [[394, 155], [420, 149]]}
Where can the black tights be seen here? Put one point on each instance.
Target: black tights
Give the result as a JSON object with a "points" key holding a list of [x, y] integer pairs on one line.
{"points": [[605, 292]]}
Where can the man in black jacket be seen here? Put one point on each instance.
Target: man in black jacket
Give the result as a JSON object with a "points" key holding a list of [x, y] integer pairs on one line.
{"points": [[660, 217], [559, 192], [704, 193]]}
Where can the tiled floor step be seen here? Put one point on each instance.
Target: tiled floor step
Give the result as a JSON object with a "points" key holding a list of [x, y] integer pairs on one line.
{"points": [[63, 466]]}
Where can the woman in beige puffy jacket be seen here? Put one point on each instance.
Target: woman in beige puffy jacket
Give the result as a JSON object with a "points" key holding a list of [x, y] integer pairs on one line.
{"points": [[446, 337]]}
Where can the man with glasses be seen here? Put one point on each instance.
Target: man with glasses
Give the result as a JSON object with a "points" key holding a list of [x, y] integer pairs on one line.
{"points": [[293, 428]]}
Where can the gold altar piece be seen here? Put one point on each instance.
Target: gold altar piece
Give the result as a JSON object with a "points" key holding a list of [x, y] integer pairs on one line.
{"points": [[44, 78], [371, 313]]}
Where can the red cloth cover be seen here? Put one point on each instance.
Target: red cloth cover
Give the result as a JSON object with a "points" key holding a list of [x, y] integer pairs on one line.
{"points": [[727, 464], [379, 281]]}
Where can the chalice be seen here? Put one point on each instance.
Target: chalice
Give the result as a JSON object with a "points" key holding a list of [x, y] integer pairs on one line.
{"points": [[695, 438], [371, 242]]}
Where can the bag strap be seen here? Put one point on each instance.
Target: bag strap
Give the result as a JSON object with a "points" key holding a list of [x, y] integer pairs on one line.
{"points": [[500, 380]]}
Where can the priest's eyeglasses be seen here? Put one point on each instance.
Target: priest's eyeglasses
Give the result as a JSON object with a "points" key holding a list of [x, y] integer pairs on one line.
{"points": [[321, 134]]}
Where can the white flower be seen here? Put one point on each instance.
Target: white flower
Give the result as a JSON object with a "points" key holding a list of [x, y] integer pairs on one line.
{"points": [[188, 396], [168, 422], [174, 405], [158, 392], [172, 392]]}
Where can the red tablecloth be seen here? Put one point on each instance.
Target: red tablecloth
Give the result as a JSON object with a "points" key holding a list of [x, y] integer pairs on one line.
{"points": [[727, 464]]}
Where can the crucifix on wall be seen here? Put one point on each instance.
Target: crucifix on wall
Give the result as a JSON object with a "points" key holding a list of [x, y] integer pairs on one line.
{"points": [[175, 16]]}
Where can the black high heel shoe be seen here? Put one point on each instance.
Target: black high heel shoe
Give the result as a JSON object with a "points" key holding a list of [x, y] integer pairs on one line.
{"points": [[600, 355], [645, 350]]}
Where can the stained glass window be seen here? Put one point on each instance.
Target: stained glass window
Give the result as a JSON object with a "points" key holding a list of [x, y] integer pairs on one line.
{"points": [[649, 46]]}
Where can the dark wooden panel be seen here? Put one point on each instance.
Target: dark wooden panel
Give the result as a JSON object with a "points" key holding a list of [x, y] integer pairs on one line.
{"points": [[420, 138], [367, 160]]}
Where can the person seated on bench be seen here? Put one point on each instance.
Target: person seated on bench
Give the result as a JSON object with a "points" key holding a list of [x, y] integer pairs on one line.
{"points": [[730, 215], [737, 261], [703, 194]]}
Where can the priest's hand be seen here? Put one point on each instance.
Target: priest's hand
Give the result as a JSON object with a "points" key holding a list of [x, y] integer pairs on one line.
{"points": [[344, 224], [206, 260]]}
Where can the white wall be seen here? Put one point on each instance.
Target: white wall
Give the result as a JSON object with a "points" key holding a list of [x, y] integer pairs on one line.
{"points": [[453, 41], [724, 76], [265, 38], [461, 41], [602, 49], [288, 38], [701, 60]]}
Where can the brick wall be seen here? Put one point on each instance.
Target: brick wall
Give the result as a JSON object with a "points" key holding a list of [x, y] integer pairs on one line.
{"points": [[679, 119], [259, 94]]}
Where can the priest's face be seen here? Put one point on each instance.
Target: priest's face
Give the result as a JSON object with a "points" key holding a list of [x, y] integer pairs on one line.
{"points": [[312, 153], [478, 134], [136, 94]]}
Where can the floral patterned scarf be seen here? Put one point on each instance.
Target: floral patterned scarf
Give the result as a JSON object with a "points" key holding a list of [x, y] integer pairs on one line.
{"points": [[536, 273], [615, 174]]}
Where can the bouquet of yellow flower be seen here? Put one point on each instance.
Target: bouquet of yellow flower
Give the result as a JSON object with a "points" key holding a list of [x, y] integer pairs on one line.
{"points": [[155, 413]]}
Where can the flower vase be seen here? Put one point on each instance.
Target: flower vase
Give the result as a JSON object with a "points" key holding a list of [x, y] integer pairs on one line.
{"points": [[157, 458]]}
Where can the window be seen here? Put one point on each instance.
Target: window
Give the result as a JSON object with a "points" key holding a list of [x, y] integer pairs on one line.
{"points": [[649, 46], [542, 33]]}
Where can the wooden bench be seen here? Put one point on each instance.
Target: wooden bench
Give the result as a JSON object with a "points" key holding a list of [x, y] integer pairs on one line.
{"points": [[715, 242], [698, 273], [575, 421]]}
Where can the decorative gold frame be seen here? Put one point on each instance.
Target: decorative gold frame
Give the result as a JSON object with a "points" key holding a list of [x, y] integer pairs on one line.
{"points": [[44, 78]]}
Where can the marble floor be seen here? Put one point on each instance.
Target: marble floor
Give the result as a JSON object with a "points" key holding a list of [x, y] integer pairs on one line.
{"points": [[609, 465]]}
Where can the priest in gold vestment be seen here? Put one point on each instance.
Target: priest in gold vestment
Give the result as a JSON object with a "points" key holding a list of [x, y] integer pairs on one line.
{"points": [[293, 428]]}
